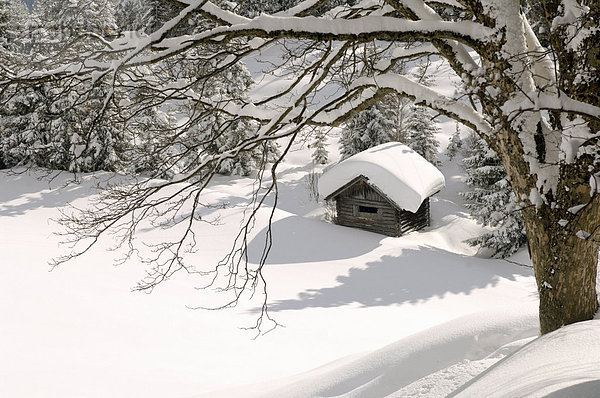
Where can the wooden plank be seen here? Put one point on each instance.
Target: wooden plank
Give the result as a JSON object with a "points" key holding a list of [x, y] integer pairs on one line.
{"points": [[388, 220], [362, 202]]}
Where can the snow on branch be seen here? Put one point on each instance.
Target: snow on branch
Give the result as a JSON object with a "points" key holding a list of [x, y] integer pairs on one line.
{"points": [[302, 8], [458, 52], [216, 13], [378, 27], [447, 3], [421, 95], [561, 102], [364, 28]]}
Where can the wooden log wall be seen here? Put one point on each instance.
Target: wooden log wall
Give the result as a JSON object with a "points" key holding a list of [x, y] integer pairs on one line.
{"points": [[362, 207], [409, 221]]}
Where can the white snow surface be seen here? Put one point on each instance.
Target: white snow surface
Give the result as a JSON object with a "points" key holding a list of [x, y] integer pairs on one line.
{"points": [[393, 368], [400, 173], [342, 294], [364, 315], [562, 364]]}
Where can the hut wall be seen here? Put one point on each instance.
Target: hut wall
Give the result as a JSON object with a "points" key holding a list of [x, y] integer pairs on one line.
{"points": [[360, 206], [409, 221]]}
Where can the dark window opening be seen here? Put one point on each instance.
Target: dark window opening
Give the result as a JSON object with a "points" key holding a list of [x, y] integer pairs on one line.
{"points": [[367, 209]]}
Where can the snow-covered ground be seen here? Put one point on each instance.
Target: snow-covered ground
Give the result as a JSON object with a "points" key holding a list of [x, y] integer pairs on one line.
{"points": [[364, 315]]}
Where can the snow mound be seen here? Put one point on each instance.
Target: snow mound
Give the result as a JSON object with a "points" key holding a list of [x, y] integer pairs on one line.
{"points": [[388, 370], [561, 364], [403, 175]]}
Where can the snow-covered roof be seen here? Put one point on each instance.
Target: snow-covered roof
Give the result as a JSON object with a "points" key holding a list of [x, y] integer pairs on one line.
{"points": [[403, 175]]}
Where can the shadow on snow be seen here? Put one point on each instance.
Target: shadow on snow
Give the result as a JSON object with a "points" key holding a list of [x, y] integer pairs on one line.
{"points": [[45, 189], [413, 276], [301, 240]]}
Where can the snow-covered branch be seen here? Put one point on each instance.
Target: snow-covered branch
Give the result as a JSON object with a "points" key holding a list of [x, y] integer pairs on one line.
{"points": [[421, 95]]}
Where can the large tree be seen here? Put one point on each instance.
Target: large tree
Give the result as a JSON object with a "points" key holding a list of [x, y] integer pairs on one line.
{"points": [[535, 102]]}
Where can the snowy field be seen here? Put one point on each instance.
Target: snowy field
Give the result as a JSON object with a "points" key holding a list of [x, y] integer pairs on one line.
{"points": [[364, 315]]}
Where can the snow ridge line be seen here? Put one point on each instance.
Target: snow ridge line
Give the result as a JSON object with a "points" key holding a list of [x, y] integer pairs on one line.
{"points": [[399, 364]]}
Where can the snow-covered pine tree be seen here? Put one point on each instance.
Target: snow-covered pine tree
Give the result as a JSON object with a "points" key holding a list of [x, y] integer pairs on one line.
{"points": [[129, 15], [212, 132], [156, 13], [420, 127], [58, 124], [150, 15], [491, 200], [422, 131], [455, 144], [252, 8], [368, 128], [165, 148], [67, 23], [320, 153], [207, 130], [13, 15], [153, 151]]}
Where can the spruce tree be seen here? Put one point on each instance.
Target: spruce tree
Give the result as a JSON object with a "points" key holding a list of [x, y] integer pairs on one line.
{"points": [[129, 15], [320, 153], [370, 127], [63, 125], [253, 8], [213, 132], [13, 15], [156, 13], [13, 21], [208, 131], [421, 129], [491, 201], [455, 144], [168, 149]]}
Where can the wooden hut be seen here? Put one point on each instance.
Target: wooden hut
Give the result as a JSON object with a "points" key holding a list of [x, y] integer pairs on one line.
{"points": [[384, 189]]}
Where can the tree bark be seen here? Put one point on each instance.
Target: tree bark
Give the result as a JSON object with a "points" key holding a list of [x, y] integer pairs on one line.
{"points": [[565, 264], [563, 235]]}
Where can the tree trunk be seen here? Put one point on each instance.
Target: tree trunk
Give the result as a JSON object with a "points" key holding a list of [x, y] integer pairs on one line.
{"points": [[565, 263], [563, 244]]}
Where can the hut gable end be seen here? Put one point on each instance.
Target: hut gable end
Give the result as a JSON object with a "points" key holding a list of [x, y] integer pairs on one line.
{"points": [[363, 206], [360, 189]]}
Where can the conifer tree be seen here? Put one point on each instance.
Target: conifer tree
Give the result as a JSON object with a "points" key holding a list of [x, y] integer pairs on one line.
{"points": [[13, 15], [13, 18], [422, 132], [63, 125], [207, 130], [148, 16], [252, 8], [153, 150], [219, 132], [455, 144], [320, 153], [129, 15], [491, 201], [370, 127], [421, 129], [156, 13]]}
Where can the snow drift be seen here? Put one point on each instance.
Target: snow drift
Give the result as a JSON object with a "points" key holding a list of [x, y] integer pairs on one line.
{"points": [[391, 368], [561, 364]]}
